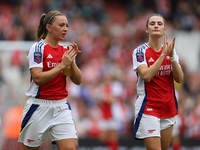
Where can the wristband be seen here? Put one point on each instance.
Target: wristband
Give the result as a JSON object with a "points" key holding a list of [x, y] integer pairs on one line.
{"points": [[173, 59]]}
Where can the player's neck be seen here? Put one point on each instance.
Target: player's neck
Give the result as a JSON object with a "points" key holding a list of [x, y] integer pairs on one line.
{"points": [[53, 43], [155, 44]]}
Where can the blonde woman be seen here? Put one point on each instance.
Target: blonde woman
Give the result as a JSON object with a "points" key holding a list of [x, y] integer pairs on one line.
{"points": [[46, 111]]}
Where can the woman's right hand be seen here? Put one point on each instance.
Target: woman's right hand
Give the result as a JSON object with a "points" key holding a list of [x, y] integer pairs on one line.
{"points": [[70, 55], [168, 47], [165, 47]]}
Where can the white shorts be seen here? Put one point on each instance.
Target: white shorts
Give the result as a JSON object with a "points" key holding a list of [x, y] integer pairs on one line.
{"points": [[150, 126], [46, 117]]}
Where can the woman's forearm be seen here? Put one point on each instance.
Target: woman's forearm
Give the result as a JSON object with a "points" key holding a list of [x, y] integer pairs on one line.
{"points": [[76, 74]]}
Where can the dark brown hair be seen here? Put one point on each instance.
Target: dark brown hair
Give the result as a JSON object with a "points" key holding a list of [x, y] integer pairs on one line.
{"points": [[44, 20], [155, 15]]}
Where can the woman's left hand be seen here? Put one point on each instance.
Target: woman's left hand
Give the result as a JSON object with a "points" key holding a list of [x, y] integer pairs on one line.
{"points": [[74, 47]]}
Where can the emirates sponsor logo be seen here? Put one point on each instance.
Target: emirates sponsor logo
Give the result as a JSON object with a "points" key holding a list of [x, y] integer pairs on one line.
{"points": [[52, 64], [167, 57]]}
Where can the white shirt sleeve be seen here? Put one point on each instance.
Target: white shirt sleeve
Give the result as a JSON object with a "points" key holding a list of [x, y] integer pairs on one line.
{"points": [[35, 57], [138, 58]]}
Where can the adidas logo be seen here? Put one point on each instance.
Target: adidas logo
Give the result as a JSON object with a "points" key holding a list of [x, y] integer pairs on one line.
{"points": [[49, 56], [151, 60]]}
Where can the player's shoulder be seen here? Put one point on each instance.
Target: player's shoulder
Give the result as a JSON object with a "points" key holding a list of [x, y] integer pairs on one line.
{"points": [[37, 46], [141, 48]]}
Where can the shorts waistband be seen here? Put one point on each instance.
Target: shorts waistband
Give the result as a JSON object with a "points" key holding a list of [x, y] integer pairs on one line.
{"points": [[47, 102]]}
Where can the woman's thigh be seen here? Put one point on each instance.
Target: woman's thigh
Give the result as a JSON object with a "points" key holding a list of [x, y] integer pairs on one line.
{"points": [[166, 136], [157, 143], [152, 143], [30, 148], [67, 144]]}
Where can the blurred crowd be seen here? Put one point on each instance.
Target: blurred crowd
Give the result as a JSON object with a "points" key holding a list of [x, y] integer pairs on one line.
{"points": [[107, 32]]}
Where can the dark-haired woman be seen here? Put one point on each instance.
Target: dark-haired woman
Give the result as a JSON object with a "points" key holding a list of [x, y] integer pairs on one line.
{"points": [[157, 66], [46, 112]]}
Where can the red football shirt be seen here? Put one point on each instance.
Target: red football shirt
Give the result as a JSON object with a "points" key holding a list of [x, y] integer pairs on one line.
{"points": [[156, 97], [44, 56]]}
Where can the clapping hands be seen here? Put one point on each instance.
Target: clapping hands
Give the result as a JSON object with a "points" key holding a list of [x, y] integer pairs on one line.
{"points": [[168, 47]]}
